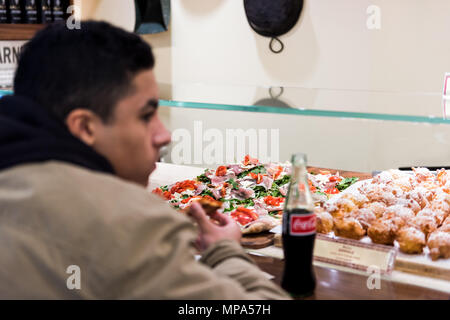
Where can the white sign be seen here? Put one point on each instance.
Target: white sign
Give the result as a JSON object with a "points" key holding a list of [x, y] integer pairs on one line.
{"points": [[354, 254], [9, 55]]}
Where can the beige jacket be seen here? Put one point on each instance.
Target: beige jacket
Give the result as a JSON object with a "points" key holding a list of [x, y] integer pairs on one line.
{"points": [[126, 243]]}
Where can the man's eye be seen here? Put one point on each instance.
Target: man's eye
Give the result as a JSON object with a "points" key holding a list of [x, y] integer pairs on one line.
{"points": [[147, 116]]}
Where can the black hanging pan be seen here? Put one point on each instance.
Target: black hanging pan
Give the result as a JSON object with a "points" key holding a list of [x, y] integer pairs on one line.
{"points": [[273, 18]]}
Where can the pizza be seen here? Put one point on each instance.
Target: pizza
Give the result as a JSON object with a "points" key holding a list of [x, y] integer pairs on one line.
{"points": [[252, 193]]}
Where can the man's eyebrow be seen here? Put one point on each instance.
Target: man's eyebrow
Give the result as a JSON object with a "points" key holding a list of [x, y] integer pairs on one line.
{"points": [[152, 103]]}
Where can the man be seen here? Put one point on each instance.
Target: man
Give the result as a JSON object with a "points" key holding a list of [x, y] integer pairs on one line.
{"points": [[78, 139]]}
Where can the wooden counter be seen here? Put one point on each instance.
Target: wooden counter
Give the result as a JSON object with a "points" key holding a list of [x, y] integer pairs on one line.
{"points": [[339, 285]]}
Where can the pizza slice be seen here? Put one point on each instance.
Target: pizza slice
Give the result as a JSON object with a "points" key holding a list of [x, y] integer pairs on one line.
{"points": [[252, 193]]}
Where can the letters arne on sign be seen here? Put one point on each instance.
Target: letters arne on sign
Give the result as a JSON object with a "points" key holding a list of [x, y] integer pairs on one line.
{"points": [[9, 53]]}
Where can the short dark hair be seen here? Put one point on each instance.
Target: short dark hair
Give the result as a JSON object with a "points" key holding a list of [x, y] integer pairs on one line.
{"points": [[90, 68]]}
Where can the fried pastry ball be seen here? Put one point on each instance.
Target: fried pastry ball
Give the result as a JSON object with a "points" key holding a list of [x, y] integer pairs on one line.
{"points": [[439, 244], [357, 198], [383, 232], [423, 174], [324, 221], [411, 204], [342, 207], [411, 240], [379, 194], [421, 195], [427, 224], [349, 227], [378, 208], [365, 216]]}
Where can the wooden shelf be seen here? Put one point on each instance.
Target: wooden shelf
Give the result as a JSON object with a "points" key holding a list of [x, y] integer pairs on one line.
{"points": [[19, 31]]}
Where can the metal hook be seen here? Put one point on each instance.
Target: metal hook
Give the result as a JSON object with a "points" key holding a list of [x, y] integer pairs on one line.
{"points": [[278, 95], [271, 45]]}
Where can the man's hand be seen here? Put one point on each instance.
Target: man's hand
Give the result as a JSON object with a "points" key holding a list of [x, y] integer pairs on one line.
{"points": [[211, 232]]}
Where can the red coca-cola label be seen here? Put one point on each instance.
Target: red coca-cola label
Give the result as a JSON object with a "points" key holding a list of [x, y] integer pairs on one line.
{"points": [[302, 225]]}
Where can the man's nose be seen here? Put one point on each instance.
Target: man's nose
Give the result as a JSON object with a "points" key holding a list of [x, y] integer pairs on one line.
{"points": [[162, 136]]}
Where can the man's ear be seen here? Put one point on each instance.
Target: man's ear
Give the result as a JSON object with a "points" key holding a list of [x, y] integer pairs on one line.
{"points": [[83, 124]]}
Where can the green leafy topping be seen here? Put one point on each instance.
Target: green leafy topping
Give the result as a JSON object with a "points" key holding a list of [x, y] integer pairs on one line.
{"points": [[274, 191], [231, 208], [274, 214], [236, 202], [256, 170], [346, 182], [283, 180], [320, 192], [234, 184], [207, 192], [164, 188], [203, 178], [260, 191], [185, 196]]}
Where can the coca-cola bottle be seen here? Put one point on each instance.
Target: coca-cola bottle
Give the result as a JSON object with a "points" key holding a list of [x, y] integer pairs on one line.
{"points": [[299, 233]]}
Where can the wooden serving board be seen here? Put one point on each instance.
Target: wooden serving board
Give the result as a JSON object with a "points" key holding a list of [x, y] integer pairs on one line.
{"points": [[343, 173], [258, 241]]}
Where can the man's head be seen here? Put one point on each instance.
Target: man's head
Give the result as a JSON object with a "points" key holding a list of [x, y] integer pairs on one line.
{"points": [[99, 81]]}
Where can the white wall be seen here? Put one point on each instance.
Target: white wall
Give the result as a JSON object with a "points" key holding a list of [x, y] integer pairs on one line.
{"points": [[329, 54], [331, 46]]}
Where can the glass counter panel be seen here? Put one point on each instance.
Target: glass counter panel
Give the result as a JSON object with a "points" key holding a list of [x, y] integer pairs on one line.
{"points": [[381, 105], [202, 137]]}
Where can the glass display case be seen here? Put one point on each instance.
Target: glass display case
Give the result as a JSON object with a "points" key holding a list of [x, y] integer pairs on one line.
{"points": [[349, 130]]}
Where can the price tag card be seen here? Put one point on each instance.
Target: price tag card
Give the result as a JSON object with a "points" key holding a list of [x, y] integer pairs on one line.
{"points": [[354, 254]]}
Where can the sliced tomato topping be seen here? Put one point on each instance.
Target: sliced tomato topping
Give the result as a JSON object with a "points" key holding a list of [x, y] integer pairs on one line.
{"points": [[241, 218], [311, 187], [223, 191], [249, 160], [244, 215], [335, 179], [186, 200], [332, 191], [247, 211], [221, 171], [167, 195], [278, 172], [158, 192], [208, 197], [258, 177], [273, 201], [163, 194], [184, 185]]}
